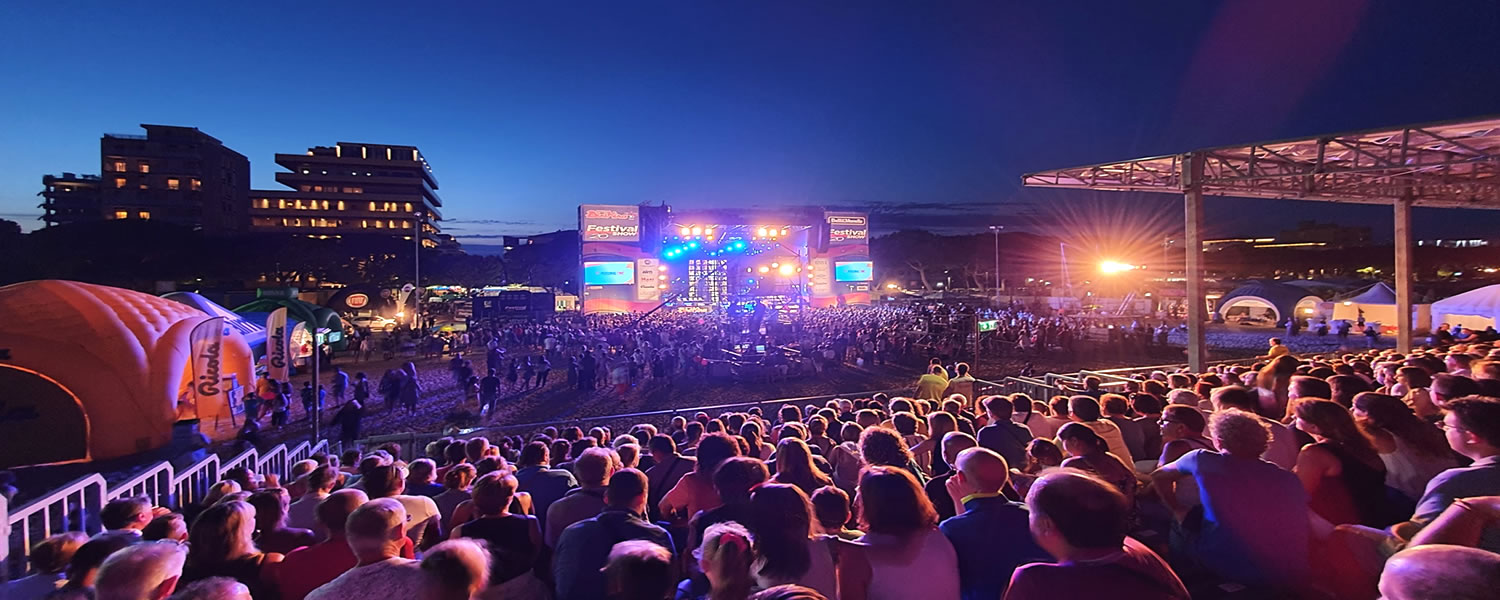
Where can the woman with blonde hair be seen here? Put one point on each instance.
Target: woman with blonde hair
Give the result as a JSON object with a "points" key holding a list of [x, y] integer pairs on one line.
{"points": [[794, 466], [725, 557], [221, 545]]}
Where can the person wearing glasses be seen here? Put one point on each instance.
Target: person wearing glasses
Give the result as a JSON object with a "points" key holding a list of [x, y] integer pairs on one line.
{"points": [[1472, 426]]}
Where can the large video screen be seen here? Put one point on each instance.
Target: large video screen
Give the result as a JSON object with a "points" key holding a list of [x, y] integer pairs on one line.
{"points": [[861, 270], [608, 273]]}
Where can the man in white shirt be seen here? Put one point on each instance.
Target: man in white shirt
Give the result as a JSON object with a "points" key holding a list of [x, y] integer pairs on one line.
{"points": [[374, 532], [422, 516]]}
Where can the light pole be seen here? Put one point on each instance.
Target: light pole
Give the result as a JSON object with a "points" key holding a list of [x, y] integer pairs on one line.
{"points": [[416, 263], [999, 283]]}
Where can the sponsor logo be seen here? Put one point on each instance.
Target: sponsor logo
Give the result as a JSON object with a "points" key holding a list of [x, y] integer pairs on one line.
{"points": [[357, 300], [277, 338], [840, 235], [208, 382], [846, 221], [605, 214]]}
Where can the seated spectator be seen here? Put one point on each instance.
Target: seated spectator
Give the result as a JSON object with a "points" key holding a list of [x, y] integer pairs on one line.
{"points": [[669, 467], [1284, 448], [375, 532], [1413, 451], [593, 468], [845, 457], [421, 478], [303, 514], [936, 488], [273, 534], [1004, 436], [222, 545], [1148, 409], [49, 562], [788, 592], [929, 452], [1472, 426], [831, 511], [1089, 452], [456, 490], [1116, 410], [514, 541], [384, 481], [903, 554], [584, 547], [990, 537], [695, 491], [1437, 571], [787, 550], [639, 570], [455, 570], [171, 527], [213, 588], [1342, 473], [1041, 455], [1024, 412], [1085, 410], [141, 572], [1082, 521], [130, 514], [84, 567], [884, 447], [1241, 495], [794, 466], [733, 481], [305, 569], [725, 559]]}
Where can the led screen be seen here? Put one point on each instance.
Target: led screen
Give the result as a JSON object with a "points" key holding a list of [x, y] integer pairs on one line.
{"points": [[608, 273], [862, 270]]}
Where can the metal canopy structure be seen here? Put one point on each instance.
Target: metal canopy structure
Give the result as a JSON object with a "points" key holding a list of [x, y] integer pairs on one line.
{"points": [[1451, 164]]}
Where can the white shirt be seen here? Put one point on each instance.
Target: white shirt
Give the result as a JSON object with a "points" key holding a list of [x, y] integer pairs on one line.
{"points": [[931, 573], [419, 509], [390, 578]]}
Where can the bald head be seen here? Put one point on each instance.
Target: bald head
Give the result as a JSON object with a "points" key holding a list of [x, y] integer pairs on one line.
{"points": [[1439, 571], [983, 469], [376, 528], [334, 511], [141, 572]]}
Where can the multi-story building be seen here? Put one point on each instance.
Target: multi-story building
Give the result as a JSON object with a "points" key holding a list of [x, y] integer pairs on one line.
{"points": [[352, 189], [174, 174], [70, 198]]}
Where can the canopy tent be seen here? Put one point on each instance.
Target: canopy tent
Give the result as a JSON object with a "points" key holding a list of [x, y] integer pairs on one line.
{"points": [[1474, 309], [1377, 304], [1278, 301], [96, 372], [1451, 164]]}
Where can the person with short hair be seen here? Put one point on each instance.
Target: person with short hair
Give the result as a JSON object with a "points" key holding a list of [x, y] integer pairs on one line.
{"points": [[303, 514], [1472, 427], [213, 588], [375, 531], [421, 478], [274, 535], [1002, 435], [1440, 571], [141, 572], [593, 468], [1082, 521], [514, 541], [936, 488], [171, 527], [455, 570], [990, 537], [1086, 410], [639, 570], [305, 569], [695, 491], [83, 569], [1252, 525], [831, 512], [584, 547], [49, 563], [667, 469], [535, 476], [384, 481], [129, 514]]}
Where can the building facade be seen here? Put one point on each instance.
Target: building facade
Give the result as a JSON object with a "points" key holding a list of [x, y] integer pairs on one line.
{"points": [[352, 189], [175, 174]]}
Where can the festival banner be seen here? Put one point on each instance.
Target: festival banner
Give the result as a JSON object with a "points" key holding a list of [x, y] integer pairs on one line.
{"points": [[277, 342], [207, 342]]}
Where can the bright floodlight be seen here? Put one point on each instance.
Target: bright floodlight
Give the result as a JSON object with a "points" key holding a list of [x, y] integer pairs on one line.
{"points": [[1110, 267], [787, 269]]}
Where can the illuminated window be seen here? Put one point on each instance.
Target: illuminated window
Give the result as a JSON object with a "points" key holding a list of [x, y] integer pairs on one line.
{"points": [[120, 214], [119, 166], [145, 167], [406, 224], [317, 188], [281, 203], [119, 182], [393, 224], [408, 207], [174, 184], [380, 224], [365, 224], [145, 214], [304, 187], [341, 205], [354, 190], [197, 184], [372, 207], [325, 205]]}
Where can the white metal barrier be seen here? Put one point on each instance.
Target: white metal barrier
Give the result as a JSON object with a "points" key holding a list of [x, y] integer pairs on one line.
{"points": [[75, 507]]}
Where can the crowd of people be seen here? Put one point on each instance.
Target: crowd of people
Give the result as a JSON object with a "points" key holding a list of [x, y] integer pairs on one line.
{"points": [[1353, 476]]}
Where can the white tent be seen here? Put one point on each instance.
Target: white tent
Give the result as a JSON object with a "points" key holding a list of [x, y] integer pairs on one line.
{"points": [[1474, 309], [1377, 304]]}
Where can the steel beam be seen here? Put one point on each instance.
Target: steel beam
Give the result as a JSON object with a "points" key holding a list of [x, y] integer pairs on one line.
{"points": [[1403, 273], [1193, 267]]}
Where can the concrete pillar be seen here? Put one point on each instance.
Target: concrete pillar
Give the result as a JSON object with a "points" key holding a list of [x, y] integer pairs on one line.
{"points": [[1404, 273], [1192, 184]]}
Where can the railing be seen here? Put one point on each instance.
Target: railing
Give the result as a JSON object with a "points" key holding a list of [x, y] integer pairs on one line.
{"points": [[75, 507]]}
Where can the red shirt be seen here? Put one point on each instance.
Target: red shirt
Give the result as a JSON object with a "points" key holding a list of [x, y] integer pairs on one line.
{"points": [[1136, 573], [307, 568]]}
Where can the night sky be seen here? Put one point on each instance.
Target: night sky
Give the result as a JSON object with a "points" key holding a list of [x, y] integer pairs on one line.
{"points": [[927, 112]]}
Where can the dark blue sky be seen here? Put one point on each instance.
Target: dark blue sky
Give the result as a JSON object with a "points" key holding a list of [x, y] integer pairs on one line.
{"points": [[930, 111]]}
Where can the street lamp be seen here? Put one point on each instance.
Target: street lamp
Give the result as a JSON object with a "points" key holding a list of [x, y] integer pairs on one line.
{"points": [[999, 283], [416, 263]]}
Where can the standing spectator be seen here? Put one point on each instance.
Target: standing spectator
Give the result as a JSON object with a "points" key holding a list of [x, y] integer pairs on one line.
{"points": [[990, 537], [514, 541], [594, 468], [375, 532], [349, 419], [904, 555], [340, 384], [931, 385], [273, 533], [489, 392], [1004, 436], [222, 546], [584, 548], [1082, 522], [305, 569], [1242, 494]]}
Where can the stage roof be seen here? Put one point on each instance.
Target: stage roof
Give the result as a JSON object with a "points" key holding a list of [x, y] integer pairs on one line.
{"points": [[1452, 164]]}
